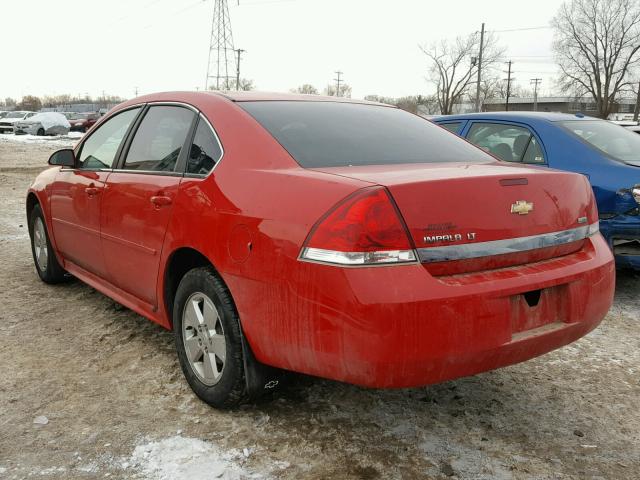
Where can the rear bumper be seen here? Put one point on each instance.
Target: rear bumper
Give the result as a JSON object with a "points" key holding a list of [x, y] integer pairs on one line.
{"points": [[623, 227], [391, 327]]}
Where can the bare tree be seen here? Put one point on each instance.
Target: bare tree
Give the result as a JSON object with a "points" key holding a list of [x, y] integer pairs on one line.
{"points": [[597, 43], [345, 90], [491, 86], [414, 103], [453, 66], [306, 88], [30, 102], [10, 102], [245, 85]]}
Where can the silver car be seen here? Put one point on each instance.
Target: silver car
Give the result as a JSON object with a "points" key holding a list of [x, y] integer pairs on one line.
{"points": [[47, 123], [9, 120]]}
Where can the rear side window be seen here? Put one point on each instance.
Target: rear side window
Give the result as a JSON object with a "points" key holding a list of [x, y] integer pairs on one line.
{"points": [[100, 149], [510, 143], [615, 141], [159, 139], [453, 127], [333, 134], [205, 150]]}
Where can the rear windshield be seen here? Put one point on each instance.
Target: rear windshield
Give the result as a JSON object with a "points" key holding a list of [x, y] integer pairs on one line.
{"points": [[617, 142], [332, 134]]}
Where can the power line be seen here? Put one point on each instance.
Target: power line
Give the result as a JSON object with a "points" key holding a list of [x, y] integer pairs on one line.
{"points": [[268, 2], [542, 27]]}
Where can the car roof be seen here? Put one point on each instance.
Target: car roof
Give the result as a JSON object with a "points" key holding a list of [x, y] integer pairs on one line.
{"points": [[516, 116], [251, 96], [255, 96]]}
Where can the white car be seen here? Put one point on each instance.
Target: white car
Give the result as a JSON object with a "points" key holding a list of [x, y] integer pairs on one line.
{"points": [[633, 128], [47, 123], [7, 123]]}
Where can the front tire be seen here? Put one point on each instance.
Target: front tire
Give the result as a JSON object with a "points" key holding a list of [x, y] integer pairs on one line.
{"points": [[40, 132], [47, 266], [208, 339]]}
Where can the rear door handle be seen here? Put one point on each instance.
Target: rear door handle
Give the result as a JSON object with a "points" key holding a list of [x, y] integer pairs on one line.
{"points": [[91, 191], [160, 200]]}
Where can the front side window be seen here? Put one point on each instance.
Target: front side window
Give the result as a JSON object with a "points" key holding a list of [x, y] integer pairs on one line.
{"points": [[615, 141], [158, 141], [99, 150], [510, 143], [334, 134], [205, 150]]}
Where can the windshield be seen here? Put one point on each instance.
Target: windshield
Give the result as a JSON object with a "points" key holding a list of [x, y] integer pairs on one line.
{"points": [[72, 116], [15, 114], [333, 134], [617, 142]]}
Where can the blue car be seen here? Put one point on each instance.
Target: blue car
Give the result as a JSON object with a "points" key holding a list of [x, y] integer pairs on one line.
{"points": [[608, 154]]}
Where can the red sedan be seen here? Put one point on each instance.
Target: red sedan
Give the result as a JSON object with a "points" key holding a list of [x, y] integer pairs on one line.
{"points": [[338, 238], [81, 122]]}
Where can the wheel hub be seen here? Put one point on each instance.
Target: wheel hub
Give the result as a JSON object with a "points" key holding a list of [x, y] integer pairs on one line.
{"points": [[40, 249], [204, 339]]}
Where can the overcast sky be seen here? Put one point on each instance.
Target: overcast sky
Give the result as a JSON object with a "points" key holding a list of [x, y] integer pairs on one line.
{"points": [[91, 46]]}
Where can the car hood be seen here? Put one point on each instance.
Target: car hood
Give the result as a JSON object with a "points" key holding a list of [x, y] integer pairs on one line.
{"points": [[10, 120]]}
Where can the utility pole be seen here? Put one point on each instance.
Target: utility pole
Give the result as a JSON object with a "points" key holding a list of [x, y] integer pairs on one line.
{"points": [[535, 82], [136, 91], [637, 110], [238, 51], [337, 80], [508, 85], [479, 68]]}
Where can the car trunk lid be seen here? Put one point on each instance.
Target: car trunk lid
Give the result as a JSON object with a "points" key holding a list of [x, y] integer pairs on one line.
{"points": [[469, 217]]}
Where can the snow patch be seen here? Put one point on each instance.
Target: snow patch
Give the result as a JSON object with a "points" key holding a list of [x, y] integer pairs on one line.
{"points": [[68, 140], [180, 458]]}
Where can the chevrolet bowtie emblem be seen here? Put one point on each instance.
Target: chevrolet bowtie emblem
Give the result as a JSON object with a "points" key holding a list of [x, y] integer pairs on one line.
{"points": [[521, 207]]}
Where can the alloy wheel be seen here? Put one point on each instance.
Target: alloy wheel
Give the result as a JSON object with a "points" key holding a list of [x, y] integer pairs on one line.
{"points": [[40, 247], [203, 337]]}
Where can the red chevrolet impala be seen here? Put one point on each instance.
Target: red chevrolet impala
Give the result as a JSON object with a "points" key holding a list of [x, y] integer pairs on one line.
{"points": [[338, 238]]}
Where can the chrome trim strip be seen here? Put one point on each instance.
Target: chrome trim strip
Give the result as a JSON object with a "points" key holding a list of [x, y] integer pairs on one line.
{"points": [[501, 247]]}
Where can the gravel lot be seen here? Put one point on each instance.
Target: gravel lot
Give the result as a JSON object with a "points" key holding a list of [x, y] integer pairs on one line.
{"points": [[116, 404]]}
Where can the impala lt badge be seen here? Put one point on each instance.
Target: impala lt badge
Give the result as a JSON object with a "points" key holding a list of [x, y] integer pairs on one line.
{"points": [[521, 207], [454, 237]]}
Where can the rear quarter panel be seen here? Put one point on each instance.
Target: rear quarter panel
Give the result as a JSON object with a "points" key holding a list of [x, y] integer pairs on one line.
{"points": [[250, 218]]}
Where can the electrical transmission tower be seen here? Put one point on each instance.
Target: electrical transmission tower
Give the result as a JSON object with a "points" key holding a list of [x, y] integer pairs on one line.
{"points": [[222, 67]]}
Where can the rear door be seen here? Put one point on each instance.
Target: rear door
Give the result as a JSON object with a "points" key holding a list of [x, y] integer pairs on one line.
{"points": [[77, 194], [139, 197], [507, 141]]}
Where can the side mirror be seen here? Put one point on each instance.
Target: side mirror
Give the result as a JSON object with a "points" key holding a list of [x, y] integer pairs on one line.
{"points": [[64, 158]]}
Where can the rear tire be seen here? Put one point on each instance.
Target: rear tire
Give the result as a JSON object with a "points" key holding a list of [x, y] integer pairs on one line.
{"points": [[46, 262], [40, 132], [208, 339]]}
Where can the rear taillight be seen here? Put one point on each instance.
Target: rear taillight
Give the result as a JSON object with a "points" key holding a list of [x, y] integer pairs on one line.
{"points": [[364, 229]]}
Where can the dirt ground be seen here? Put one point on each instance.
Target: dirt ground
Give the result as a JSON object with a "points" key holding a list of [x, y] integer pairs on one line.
{"points": [[116, 404]]}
